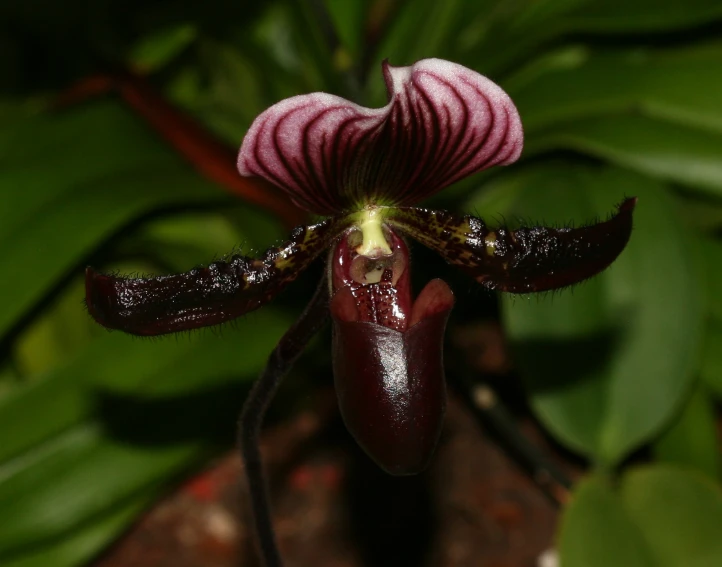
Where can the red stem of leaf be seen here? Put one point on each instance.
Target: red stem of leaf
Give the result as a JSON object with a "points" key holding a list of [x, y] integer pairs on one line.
{"points": [[210, 156]]}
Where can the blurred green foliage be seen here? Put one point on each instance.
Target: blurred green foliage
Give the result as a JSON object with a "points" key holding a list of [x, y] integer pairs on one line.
{"points": [[618, 98]]}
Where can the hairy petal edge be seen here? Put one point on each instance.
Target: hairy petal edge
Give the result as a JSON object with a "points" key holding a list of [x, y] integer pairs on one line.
{"points": [[208, 295], [525, 260]]}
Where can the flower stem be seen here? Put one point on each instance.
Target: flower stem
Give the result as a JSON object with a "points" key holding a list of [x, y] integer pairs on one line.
{"points": [[281, 360]]}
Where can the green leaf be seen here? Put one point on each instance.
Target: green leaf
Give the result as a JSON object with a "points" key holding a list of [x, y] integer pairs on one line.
{"points": [[711, 363], [614, 16], [56, 335], [75, 147], [524, 81], [349, 17], [50, 244], [525, 28], [608, 363], [186, 240], [679, 514], [661, 149], [97, 174], [314, 47], [158, 49], [128, 366], [703, 213], [681, 86], [711, 263], [232, 88], [86, 542], [691, 440], [421, 29], [81, 475], [662, 517], [596, 531], [640, 15], [418, 31], [151, 409]]}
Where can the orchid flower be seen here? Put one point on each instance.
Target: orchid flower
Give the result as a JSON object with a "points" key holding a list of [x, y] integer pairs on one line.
{"points": [[365, 169]]}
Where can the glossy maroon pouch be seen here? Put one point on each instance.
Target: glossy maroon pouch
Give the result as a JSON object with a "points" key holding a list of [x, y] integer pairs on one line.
{"points": [[391, 390], [388, 354]]}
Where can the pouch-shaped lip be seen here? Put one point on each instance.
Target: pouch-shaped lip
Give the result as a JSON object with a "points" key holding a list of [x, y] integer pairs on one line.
{"points": [[390, 384]]}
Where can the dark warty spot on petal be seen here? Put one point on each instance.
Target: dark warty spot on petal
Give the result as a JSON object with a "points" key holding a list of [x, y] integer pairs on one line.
{"points": [[240, 264], [474, 242], [503, 243], [475, 224], [258, 277], [126, 298], [271, 256], [441, 216], [223, 283], [286, 252]]}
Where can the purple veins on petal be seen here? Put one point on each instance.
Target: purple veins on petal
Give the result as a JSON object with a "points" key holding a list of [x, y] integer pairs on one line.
{"points": [[443, 122]]}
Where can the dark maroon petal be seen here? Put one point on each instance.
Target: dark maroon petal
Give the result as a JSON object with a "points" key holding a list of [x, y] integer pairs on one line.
{"points": [[204, 296], [443, 122], [521, 261], [390, 385], [435, 298]]}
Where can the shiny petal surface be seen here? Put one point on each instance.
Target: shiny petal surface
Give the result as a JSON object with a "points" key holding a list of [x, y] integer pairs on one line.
{"points": [[443, 122], [524, 260], [204, 296], [390, 384]]}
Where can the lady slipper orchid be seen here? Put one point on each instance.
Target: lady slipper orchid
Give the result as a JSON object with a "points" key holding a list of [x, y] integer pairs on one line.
{"points": [[365, 169]]}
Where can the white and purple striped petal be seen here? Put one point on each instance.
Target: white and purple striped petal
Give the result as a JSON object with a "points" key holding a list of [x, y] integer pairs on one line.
{"points": [[443, 122]]}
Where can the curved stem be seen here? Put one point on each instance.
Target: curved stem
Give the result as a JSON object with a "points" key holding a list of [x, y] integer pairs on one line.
{"points": [[280, 361]]}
